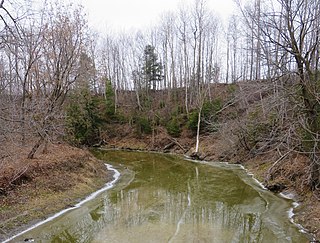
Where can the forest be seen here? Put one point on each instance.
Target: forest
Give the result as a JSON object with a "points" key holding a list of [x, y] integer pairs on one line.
{"points": [[253, 83]]}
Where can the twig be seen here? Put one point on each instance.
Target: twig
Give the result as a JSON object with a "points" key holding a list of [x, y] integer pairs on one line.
{"points": [[274, 164], [18, 175], [176, 142]]}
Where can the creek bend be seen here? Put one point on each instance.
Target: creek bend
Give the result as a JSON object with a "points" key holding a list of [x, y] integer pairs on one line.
{"points": [[165, 198]]}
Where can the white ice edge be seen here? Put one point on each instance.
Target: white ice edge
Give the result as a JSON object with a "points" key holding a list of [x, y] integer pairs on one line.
{"points": [[108, 186], [252, 176], [288, 196], [230, 164], [291, 214]]}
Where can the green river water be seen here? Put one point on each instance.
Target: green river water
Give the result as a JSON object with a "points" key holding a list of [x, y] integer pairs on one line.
{"points": [[165, 198]]}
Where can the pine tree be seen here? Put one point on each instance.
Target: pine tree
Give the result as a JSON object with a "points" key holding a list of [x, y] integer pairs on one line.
{"points": [[110, 102], [151, 69]]}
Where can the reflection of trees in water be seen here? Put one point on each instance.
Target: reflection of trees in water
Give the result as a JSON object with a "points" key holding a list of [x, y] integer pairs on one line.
{"points": [[64, 236], [201, 220], [137, 207], [78, 231]]}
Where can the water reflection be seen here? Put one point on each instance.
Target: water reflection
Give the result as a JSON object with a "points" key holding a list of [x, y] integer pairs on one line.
{"points": [[173, 200], [172, 216]]}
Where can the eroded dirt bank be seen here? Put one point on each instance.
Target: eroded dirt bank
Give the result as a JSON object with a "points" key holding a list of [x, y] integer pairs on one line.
{"points": [[31, 190]]}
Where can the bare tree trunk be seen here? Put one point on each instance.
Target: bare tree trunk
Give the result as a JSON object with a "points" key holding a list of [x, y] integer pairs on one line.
{"points": [[45, 147], [35, 148], [258, 54], [138, 99], [198, 131], [186, 99], [186, 76], [228, 51], [315, 171]]}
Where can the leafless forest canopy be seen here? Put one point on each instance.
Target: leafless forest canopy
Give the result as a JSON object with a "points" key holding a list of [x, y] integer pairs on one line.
{"points": [[269, 49]]}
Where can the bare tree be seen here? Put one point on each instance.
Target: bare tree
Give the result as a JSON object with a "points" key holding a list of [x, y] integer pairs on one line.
{"points": [[61, 52], [289, 34], [184, 38]]}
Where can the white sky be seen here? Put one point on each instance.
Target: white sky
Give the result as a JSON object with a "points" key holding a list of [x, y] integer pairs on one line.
{"points": [[137, 14]]}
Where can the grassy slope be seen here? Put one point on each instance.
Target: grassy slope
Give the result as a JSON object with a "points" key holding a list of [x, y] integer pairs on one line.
{"points": [[51, 182]]}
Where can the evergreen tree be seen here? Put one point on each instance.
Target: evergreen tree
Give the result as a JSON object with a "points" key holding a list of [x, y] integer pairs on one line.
{"points": [[110, 102], [85, 116], [151, 68]]}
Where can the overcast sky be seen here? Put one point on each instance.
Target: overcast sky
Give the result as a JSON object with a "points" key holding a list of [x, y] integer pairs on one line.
{"points": [[127, 14]]}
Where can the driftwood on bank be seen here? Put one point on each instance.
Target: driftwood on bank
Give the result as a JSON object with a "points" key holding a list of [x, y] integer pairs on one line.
{"points": [[169, 146], [174, 142], [12, 180]]}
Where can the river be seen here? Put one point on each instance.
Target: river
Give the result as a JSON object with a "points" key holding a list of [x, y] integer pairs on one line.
{"points": [[165, 198]]}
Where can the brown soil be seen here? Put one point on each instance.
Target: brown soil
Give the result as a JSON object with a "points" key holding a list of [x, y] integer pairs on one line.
{"points": [[33, 189], [290, 177]]}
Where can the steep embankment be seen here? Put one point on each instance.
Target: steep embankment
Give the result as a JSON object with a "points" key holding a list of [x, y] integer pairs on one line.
{"points": [[34, 189]]}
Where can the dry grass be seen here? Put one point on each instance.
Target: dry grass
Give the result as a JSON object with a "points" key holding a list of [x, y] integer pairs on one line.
{"points": [[291, 173], [49, 183]]}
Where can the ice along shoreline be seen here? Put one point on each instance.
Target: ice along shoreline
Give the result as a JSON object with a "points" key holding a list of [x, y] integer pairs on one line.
{"points": [[116, 175]]}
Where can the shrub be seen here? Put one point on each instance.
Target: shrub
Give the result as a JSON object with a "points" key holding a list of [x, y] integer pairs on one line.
{"points": [[232, 88], [85, 118], [82, 123], [192, 123], [109, 100], [143, 125], [121, 118], [210, 109], [173, 127], [256, 134], [180, 109], [162, 104]]}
